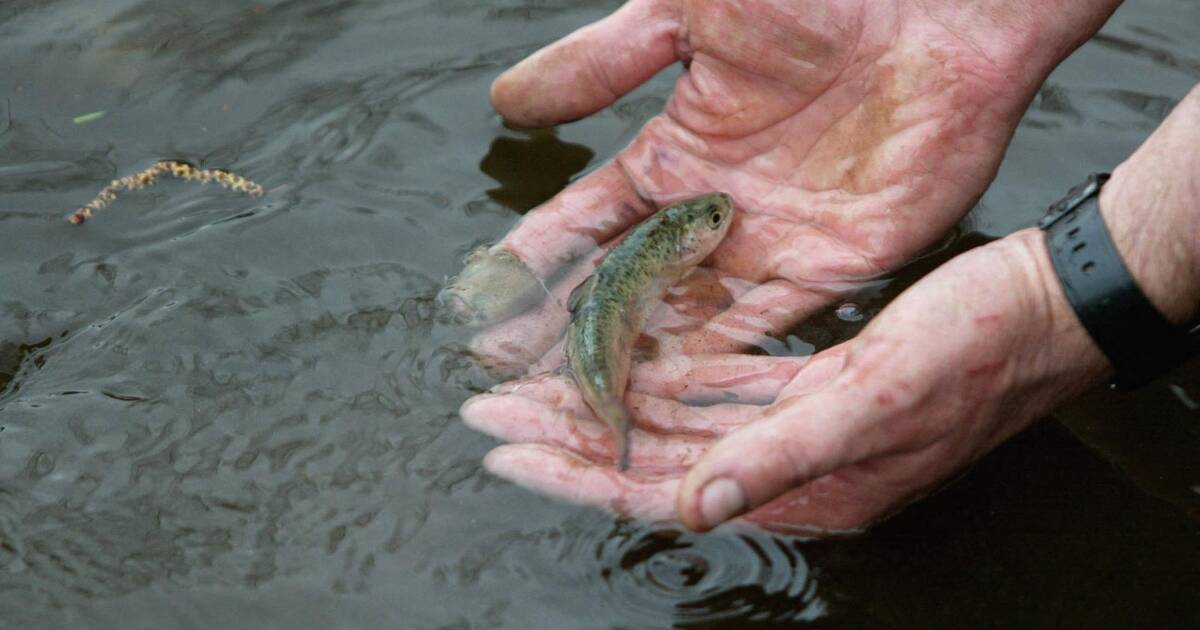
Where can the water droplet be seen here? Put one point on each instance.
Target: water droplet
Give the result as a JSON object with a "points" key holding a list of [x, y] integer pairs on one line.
{"points": [[1184, 398], [850, 312]]}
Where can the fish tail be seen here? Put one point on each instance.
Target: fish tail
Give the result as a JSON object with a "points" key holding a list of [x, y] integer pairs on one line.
{"points": [[621, 435], [613, 412]]}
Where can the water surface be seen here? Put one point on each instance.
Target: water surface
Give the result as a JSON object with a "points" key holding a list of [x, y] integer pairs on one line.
{"points": [[218, 411]]}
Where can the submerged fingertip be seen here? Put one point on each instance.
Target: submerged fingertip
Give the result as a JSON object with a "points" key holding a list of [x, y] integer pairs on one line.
{"points": [[495, 460], [476, 422], [498, 93], [509, 461], [477, 411], [470, 404], [517, 462], [510, 96]]}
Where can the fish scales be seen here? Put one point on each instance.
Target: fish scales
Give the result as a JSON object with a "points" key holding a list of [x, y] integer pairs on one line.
{"points": [[610, 309]]}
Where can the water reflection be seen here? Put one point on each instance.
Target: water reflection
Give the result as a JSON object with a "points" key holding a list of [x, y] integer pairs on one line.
{"points": [[531, 169], [1149, 51], [13, 357], [260, 39]]}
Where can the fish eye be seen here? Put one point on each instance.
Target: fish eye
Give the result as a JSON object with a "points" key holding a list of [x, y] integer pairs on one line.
{"points": [[715, 217]]}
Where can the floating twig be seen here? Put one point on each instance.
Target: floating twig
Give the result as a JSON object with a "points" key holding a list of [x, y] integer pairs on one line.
{"points": [[181, 170]]}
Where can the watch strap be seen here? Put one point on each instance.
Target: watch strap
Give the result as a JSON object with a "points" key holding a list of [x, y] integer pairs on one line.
{"points": [[1139, 342]]}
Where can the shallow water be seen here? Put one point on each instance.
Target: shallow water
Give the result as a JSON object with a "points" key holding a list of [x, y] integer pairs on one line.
{"points": [[218, 411]]}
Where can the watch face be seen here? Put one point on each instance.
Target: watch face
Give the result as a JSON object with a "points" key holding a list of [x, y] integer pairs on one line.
{"points": [[1074, 198]]}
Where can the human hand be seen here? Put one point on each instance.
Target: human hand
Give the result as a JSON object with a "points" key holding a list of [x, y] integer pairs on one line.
{"points": [[956, 364], [966, 357], [852, 134]]}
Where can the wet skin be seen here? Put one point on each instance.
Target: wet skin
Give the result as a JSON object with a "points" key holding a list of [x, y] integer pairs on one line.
{"points": [[853, 140]]}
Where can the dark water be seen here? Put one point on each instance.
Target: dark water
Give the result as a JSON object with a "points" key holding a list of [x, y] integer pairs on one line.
{"points": [[218, 411]]}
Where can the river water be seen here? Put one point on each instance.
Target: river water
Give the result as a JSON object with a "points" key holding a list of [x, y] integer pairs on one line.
{"points": [[223, 411]]}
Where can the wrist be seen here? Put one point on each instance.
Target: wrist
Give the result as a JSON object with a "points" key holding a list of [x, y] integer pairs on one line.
{"points": [[1064, 352], [1057, 28], [1026, 39], [1152, 209]]}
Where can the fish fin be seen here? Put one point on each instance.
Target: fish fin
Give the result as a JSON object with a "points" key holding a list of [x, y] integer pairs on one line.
{"points": [[564, 338], [644, 349], [622, 453], [580, 293], [613, 412], [546, 290], [565, 368]]}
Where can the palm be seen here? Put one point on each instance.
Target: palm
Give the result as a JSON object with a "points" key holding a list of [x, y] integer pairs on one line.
{"points": [[849, 150]]}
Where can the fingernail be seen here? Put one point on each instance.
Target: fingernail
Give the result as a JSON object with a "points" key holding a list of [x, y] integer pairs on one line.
{"points": [[721, 500]]}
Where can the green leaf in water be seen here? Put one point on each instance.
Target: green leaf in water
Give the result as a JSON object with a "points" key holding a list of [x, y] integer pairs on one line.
{"points": [[87, 118]]}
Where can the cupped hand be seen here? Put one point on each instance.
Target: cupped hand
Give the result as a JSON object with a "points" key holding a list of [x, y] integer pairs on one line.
{"points": [[852, 134], [962, 360]]}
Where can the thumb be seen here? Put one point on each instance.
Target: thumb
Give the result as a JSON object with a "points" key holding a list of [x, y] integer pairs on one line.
{"points": [[590, 68], [801, 440]]}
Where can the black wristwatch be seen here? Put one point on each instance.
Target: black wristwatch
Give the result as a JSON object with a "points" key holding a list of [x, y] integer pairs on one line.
{"points": [[1139, 342]]}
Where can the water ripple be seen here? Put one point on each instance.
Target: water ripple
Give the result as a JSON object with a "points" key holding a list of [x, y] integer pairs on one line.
{"points": [[705, 578]]}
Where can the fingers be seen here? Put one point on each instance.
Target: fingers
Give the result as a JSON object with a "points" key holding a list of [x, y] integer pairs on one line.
{"points": [[563, 452], [518, 419], [818, 371], [803, 438], [509, 278], [590, 68], [511, 346], [697, 298], [731, 378], [767, 310], [672, 417], [842, 502], [707, 379], [850, 499], [534, 339], [857, 496], [667, 434], [591, 211], [559, 474], [651, 413]]}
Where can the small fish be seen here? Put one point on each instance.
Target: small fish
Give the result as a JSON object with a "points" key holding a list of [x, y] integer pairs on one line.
{"points": [[610, 308]]}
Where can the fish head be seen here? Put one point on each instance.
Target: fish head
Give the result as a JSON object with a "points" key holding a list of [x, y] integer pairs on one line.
{"points": [[702, 223]]}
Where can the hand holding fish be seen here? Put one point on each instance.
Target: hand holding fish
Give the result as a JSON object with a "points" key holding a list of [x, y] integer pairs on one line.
{"points": [[966, 357], [955, 365], [851, 135], [855, 134]]}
